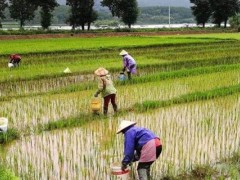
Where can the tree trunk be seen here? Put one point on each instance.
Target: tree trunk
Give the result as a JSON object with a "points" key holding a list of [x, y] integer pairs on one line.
{"points": [[225, 23], [89, 25], [82, 27], [73, 27], [203, 25], [129, 26], [21, 23]]}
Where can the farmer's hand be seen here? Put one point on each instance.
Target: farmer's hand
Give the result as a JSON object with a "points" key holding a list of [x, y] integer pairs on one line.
{"points": [[123, 167]]}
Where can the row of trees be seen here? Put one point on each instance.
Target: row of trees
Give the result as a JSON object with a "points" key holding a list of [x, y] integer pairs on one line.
{"points": [[23, 10], [82, 12], [219, 11]]}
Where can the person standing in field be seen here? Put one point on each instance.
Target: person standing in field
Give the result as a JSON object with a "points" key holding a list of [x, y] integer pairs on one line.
{"points": [[140, 144], [106, 87], [129, 63]]}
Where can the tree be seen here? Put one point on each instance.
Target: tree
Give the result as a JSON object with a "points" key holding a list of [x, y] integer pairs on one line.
{"points": [[130, 13], [127, 10], [81, 13], [235, 21], [72, 20], [47, 6], [22, 10], [3, 5], [223, 9], [201, 10]]}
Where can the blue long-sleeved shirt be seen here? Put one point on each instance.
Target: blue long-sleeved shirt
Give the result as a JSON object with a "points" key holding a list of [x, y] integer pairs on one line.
{"points": [[135, 138]]}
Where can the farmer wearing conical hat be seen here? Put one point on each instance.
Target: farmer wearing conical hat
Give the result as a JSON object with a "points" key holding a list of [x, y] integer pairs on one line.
{"points": [[140, 144], [106, 88], [129, 63]]}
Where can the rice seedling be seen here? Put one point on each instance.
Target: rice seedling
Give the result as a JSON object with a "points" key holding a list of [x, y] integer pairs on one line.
{"points": [[49, 112], [190, 134]]}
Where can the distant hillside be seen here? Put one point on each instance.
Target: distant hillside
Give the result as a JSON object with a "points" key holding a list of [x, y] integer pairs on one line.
{"points": [[145, 3], [147, 15]]}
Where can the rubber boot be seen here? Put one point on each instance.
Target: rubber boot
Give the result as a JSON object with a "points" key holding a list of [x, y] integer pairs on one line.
{"points": [[142, 174], [129, 75], [105, 110]]}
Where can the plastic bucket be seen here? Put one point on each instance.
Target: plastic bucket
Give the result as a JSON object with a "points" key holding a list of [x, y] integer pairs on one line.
{"points": [[122, 77], [10, 65], [117, 171], [96, 104], [3, 124]]}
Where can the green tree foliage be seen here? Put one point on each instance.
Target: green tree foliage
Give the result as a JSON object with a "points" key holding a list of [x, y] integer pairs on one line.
{"points": [[130, 13], [3, 5], [235, 21], [201, 10], [127, 10], [223, 9], [81, 13], [47, 7], [113, 6], [22, 10]]}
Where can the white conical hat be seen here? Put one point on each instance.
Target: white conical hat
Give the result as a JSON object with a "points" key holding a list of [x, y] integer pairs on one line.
{"points": [[124, 124], [67, 70], [101, 71], [123, 52]]}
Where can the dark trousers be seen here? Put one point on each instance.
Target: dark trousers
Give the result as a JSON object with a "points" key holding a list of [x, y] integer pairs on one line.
{"points": [[107, 99], [144, 167]]}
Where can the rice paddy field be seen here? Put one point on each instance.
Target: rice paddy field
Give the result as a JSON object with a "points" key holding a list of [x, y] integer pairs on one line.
{"points": [[187, 91]]}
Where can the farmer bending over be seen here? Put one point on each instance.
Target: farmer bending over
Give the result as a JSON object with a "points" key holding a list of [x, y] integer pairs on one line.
{"points": [[15, 59], [106, 87], [140, 144], [129, 63]]}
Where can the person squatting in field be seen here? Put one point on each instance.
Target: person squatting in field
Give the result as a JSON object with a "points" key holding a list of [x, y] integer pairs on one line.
{"points": [[14, 60], [106, 88], [129, 63], [140, 144]]}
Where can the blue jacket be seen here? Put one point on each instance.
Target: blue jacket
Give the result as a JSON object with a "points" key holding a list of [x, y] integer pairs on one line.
{"points": [[135, 138]]}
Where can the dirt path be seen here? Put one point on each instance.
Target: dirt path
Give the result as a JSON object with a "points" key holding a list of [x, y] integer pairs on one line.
{"points": [[108, 34]]}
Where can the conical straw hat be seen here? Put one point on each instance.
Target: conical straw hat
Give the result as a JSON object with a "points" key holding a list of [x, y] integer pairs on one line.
{"points": [[101, 71], [124, 124], [67, 70], [123, 52]]}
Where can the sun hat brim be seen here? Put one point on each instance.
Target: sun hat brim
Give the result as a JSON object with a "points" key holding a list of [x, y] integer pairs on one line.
{"points": [[123, 52], [125, 124], [101, 71]]}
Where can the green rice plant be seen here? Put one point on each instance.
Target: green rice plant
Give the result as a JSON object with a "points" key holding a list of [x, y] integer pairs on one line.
{"points": [[9, 136], [6, 174], [69, 44], [43, 65], [214, 93], [85, 152]]}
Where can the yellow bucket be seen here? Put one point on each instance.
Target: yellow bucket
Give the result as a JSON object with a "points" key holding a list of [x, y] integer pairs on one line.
{"points": [[96, 104]]}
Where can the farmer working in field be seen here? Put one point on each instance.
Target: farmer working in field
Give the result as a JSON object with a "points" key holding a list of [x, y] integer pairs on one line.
{"points": [[141, 145], [106, 87], [14, 60], [129, 63]]}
